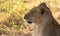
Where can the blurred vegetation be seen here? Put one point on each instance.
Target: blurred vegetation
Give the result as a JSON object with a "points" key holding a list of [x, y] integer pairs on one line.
{"points": [[12, 12]]}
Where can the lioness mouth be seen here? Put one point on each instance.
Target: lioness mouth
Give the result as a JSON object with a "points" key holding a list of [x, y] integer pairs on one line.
{"points": [[29, 22]]}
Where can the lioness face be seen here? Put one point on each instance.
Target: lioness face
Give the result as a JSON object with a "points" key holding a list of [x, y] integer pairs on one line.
{"points": [[33, 16], [37, 14]]}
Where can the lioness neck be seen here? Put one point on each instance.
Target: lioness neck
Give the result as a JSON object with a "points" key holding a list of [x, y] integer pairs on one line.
{"points": [[46, 27]]}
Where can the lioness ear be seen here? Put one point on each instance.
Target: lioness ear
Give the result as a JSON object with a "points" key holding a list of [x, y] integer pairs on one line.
{"points": [[43, 6]]}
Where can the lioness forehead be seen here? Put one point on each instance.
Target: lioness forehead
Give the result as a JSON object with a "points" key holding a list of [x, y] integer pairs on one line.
{"points": [[35, 9]]}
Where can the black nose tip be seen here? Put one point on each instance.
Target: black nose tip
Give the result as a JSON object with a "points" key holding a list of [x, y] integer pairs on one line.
{"points": [[24, 17]]}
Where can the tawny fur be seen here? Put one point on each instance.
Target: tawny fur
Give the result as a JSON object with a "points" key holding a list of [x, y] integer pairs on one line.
{"points": [[45, 24]]}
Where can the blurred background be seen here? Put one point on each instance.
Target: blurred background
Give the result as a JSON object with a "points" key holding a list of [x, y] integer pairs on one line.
{"points": [[12, 13]]}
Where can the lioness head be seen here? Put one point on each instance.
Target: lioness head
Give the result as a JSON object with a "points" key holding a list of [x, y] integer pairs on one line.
{"points": [[38, 14]]}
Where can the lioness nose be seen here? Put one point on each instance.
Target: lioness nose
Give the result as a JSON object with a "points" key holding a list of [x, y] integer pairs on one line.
{"points": [[25, 16]]}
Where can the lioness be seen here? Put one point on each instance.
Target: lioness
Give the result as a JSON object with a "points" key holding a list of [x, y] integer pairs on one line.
{"points": [[45, 24]]}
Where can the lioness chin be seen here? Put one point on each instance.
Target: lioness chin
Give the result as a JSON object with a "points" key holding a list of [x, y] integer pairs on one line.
{"points": [[45, 24]]}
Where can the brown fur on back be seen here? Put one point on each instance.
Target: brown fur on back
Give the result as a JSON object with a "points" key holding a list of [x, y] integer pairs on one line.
{"points": [[45, 24]]}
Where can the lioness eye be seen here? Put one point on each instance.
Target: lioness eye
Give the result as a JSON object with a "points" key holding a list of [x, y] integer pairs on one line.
{"points": [[42, 12]]}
